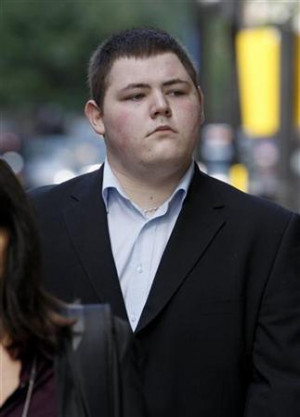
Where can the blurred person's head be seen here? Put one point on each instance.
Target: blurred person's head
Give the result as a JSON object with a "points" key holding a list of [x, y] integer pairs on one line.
{"points": [[29, 318], [132, 43]]}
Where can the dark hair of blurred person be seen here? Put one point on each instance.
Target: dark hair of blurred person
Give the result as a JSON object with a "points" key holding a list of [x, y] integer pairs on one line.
{"points": [[29, 316], [37, 333], [31, 327]]}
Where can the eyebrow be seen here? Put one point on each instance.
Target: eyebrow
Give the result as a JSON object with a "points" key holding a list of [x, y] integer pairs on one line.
{"points": [[176, 81], [168, 83]]}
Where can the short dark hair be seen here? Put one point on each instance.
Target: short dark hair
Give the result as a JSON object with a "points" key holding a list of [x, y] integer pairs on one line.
{"points": [[139, 43], [29, 318]]}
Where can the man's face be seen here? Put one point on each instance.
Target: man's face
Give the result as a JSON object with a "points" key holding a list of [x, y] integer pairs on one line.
{"points": [[151, 115]]}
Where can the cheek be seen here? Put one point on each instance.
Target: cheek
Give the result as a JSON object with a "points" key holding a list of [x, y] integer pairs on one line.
{"points": [[191, 119], [121, 129], [121, 118], [189, 113]]}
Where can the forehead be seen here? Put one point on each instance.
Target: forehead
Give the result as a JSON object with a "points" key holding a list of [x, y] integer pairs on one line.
{"points": [[149, 70]]}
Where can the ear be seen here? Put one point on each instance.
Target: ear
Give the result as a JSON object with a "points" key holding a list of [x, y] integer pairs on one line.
{"points": [[94, 116], [201, 100]]}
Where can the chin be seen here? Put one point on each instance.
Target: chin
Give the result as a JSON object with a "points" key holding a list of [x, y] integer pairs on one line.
{"points": [[171, 164]]}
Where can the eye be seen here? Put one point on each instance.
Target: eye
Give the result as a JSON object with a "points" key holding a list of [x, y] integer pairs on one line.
{"points": [[176, 93], [135, 97]]}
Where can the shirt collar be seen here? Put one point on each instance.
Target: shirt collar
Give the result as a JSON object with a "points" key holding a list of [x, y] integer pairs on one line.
{"points": [[110, 182]]}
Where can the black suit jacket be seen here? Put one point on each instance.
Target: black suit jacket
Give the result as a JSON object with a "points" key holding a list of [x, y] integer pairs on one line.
{"points": [[220, 332]]}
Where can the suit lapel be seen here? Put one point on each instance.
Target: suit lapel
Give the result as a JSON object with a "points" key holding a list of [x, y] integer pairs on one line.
{"points": [[86, 222], [197, 225]]}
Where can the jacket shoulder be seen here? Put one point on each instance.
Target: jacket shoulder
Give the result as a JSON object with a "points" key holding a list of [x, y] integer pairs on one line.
{"points": [[246, 205], [56, 195]]}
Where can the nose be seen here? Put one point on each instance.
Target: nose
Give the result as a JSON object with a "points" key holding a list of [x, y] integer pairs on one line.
{"points": [[160, 106]]}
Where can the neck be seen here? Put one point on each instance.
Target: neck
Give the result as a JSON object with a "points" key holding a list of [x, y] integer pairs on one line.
{"points": [[148, 192], [10, 370]]}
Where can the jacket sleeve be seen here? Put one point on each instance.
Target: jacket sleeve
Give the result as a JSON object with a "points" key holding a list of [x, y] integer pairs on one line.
{"points": [[274, 389]]}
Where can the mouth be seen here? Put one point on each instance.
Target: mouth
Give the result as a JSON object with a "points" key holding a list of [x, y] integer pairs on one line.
{"points": [[162, 128]]}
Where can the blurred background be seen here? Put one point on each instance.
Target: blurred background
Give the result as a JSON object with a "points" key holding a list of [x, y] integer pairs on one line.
{"points": [[248, 56]]}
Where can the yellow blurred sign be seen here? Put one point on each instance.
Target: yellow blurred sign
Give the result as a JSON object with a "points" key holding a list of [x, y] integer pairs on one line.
{"points": [[239, 177], [258, 64]]}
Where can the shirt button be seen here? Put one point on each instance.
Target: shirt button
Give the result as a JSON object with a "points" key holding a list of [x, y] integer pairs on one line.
{"points": [[140, 269], [132, 318]]}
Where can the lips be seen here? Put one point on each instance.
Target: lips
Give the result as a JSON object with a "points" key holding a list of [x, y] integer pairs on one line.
{"points": [[162, 128]]}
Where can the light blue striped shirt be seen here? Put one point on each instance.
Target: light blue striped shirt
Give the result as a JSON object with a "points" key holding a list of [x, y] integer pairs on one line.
{"points": [[137, 240]]}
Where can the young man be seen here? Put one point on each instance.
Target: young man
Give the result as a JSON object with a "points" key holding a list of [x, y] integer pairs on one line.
{"points": [[208, 277]]}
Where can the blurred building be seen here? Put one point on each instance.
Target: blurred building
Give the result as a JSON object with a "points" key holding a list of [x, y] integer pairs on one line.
{"points": [[261, 68]]}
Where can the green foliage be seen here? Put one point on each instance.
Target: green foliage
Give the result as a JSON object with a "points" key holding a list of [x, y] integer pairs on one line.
{"points": [[217, 69], [46, 45]]}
